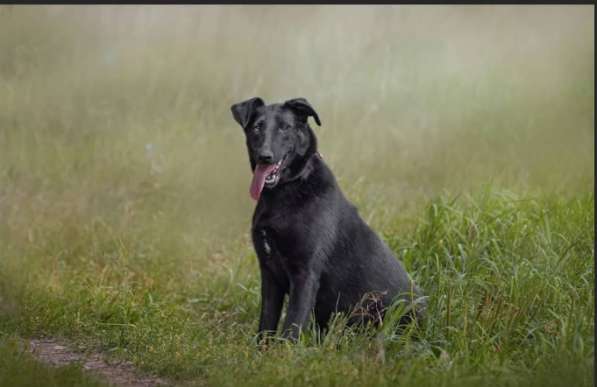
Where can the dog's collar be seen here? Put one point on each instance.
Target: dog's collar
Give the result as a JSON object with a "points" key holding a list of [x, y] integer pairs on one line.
{"points": [[301, 174]]}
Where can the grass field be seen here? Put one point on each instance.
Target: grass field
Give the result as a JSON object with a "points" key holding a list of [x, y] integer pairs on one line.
{"points": [[465, 135]]}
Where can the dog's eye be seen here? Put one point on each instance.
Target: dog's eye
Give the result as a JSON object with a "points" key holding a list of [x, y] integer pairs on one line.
{"points": [[284, 127], [257, 128]]}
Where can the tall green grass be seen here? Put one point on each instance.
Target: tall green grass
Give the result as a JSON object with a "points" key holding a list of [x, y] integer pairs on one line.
{"points": [[510, 283]]}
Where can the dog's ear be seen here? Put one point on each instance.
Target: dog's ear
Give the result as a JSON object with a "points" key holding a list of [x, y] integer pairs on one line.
{"points": [[243, 111], [303, 108]]}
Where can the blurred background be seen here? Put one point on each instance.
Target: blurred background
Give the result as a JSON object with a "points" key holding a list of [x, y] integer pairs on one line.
{"points": [[115, 119]]}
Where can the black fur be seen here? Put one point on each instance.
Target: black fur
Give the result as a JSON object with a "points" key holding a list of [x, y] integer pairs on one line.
{"points": [[311, 242]]}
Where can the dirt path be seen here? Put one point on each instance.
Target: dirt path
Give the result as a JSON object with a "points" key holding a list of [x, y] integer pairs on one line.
{"points": [[57, 353]]}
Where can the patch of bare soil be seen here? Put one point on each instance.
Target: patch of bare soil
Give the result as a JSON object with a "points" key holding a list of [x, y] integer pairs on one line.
{"points": [[121, 373]]}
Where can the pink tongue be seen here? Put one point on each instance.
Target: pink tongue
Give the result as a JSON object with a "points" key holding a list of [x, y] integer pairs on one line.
{"points": [[261, 172]]}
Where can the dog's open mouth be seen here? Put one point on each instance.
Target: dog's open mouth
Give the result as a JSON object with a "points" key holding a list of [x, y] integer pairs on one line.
{"points": [[265, 175]]}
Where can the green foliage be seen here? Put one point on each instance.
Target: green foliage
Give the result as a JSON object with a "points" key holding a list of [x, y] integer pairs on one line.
{"points": [[509, 280]]}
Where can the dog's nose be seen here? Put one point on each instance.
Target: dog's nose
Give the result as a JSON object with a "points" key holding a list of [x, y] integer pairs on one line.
{"points": [[265, 157]]}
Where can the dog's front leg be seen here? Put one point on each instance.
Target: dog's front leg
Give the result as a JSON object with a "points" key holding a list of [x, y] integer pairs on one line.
{"points": [[303, 291], [272, 298]]}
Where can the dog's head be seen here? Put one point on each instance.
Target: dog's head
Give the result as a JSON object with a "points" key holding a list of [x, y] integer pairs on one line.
{"points": [[279, 139]]}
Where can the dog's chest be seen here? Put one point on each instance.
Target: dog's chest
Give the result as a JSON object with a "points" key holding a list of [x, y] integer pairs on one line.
{"points": [[270, 256], [277, 237], [272, 223], [266, 245]]}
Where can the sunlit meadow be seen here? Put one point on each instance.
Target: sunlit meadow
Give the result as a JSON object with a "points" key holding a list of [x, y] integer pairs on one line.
{"points": [[464, 135]]}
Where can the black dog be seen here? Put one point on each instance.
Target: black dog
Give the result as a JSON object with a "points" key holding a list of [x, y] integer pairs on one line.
{"points": [[311, 242]]}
